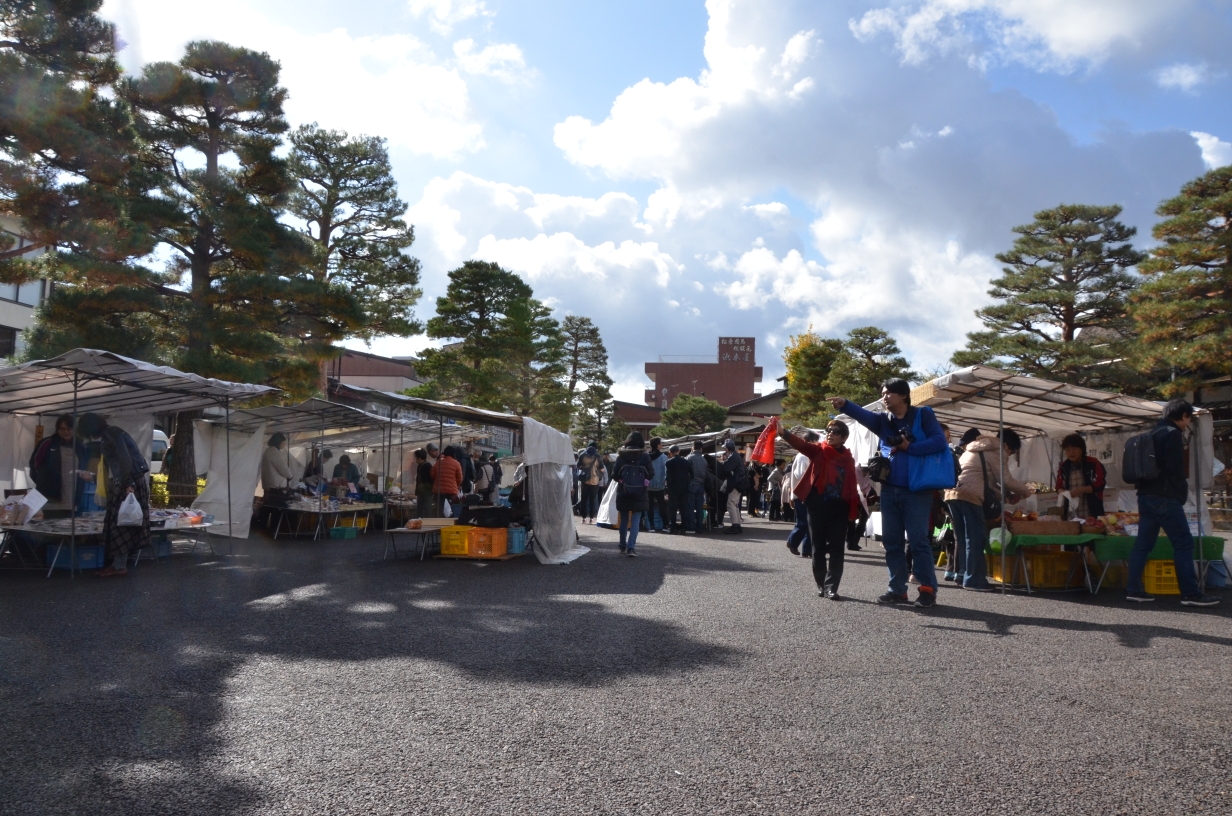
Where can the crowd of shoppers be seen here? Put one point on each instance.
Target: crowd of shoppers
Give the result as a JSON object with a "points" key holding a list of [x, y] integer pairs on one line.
{"points": [[827, 495]]}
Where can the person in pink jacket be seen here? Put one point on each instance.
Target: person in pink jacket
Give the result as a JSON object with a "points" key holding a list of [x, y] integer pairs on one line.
{"points": [[980, 464]]}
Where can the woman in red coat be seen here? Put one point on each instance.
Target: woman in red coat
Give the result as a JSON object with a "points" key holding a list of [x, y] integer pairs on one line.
{"points": [[830, 491]]}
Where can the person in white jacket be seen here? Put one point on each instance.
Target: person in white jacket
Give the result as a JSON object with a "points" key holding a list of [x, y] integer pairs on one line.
{"points": [[799, 534], [275, 472]]}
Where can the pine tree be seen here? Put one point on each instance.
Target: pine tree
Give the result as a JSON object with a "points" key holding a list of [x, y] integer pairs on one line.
{"points": [[67, 145], [809, 359], [868, 358], [597, 420], [348, 200], [585, 356], [1063, 292], [1184, 310], [531, 363], [236, 299], [691, 415], [476, 301]]}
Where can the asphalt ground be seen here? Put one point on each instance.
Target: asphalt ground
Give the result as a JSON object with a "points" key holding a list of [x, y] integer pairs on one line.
{"points": [[706, 676]]}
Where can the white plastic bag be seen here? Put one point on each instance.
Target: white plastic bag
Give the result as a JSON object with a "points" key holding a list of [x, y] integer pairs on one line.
{"points": [[446, 510], [130, 514]]}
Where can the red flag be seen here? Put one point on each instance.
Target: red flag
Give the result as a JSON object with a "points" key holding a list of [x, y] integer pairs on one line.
{"points": [[763, 451]]}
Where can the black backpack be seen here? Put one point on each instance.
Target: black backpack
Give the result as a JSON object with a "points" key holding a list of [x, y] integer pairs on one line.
{"points": [[633, 480], [1139, 463]]}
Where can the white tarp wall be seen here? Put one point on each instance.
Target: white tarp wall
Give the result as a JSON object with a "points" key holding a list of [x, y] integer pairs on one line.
{"points": [[17, 442], [211, 454], [548, 458], [16, 446]]}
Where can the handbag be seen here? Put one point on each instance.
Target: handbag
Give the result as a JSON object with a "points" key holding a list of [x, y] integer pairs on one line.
{"points": [[992, 498], [878, 468], [130, 514], [934, 471]]}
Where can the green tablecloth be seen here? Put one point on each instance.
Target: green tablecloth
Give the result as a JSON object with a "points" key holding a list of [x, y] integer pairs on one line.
{"points": [[1118, 548], [1109, 548], [1017, 541]]}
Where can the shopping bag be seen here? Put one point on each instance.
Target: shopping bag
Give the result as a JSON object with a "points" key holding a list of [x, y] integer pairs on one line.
{"points": [[932, 472], [130, 514], [763, 451]]}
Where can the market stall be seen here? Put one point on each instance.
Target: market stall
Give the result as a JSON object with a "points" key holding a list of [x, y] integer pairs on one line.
{"points": [[128, 392], [546, 453], [1043, 412], [313, 426]]}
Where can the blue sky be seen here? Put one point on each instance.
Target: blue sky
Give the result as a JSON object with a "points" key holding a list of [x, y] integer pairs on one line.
{"points": [[681, 170]]}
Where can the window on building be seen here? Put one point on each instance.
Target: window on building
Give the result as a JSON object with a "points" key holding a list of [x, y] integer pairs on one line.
{"points": [[8, 291], [30, 294], [8, 341]]}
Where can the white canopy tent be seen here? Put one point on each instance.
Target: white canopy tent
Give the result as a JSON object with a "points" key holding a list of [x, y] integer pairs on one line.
{"points": [[312, 423], [546, 451], [127, 392], [1043, 412]]}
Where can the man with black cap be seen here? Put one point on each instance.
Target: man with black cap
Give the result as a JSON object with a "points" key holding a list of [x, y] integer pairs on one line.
{"points": [[732, 469], [905, 432]]}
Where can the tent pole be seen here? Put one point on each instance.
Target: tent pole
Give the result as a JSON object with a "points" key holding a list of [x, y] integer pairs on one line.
{"points": [[1198, 497], [72, 545], [230, 511], [1001, 458], [440, 451]]}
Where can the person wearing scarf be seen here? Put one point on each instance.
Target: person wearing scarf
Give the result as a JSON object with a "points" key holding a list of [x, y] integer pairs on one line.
{"points": [[830, 490]]}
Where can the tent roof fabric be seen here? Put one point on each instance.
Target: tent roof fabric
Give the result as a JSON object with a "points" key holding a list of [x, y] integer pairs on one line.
{"points": [[341, 425], [448, 410], [108, 383], [969, 397]]}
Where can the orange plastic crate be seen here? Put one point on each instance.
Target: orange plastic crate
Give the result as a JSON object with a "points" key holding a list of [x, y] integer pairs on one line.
{"points": [[1159, 578], [487, 542]]}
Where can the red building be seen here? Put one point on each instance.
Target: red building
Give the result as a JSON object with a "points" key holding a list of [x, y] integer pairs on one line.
{"points": [[727, 378]]}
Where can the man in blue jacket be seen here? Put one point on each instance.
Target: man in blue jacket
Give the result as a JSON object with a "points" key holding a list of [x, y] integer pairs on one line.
{"points": [[1161, 504], [903, 511]]}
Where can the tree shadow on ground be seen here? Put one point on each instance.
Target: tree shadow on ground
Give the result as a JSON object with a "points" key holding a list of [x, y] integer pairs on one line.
{"points": [[115, 690]]}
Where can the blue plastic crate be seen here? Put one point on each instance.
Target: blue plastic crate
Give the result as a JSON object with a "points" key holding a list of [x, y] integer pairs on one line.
{"points": [[517, 541], [89, 557]]}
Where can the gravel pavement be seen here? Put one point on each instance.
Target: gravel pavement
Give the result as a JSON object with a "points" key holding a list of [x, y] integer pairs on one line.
{"points": [[706, 676]]}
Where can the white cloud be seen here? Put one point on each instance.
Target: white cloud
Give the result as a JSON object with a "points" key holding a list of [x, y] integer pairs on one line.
{"points": [[443, 15], [1182, 76], [1215, 151], [391, 85], [875, 275], [642, 136], [504, 61], [1043, 34], [561, 255]]}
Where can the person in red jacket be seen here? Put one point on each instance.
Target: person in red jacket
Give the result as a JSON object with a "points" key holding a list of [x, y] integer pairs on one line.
{"points": [[446, 480], [1083, 476], [830, 491]]}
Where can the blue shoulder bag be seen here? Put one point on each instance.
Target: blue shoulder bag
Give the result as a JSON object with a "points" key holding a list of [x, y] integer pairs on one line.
{"points": [[932, 472]]}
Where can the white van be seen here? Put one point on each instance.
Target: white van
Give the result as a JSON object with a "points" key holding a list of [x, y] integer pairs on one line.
{"points": [[158, 451]]}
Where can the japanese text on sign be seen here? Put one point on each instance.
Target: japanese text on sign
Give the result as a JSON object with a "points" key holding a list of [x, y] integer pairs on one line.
{"points": [[736, 349]]}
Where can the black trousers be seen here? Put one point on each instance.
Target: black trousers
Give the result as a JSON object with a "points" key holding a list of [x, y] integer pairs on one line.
{"points": [[658, 498], [827, 521], [674, 520]]}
